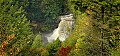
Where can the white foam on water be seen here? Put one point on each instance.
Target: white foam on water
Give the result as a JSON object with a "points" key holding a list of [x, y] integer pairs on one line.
{"points": [[62, 31]]}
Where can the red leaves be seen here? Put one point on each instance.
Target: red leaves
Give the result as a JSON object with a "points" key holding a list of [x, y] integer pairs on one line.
{"points": [[64, 51]]}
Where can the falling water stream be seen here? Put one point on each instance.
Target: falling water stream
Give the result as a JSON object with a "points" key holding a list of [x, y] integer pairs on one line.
{"points": [[64, 29]]}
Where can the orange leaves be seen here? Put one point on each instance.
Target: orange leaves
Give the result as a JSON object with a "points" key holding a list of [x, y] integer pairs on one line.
{"points": [[2, 48], [4, 43], [10, 37]]}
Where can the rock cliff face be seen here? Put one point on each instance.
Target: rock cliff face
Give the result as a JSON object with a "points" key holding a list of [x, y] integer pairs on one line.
{"points": [[64, 29], [65, 26]]}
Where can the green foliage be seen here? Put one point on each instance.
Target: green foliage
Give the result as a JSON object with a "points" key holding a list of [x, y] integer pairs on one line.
{"points": [[50, 10], [45, 53], [13, 27], [53, 47], [70, 41], [88, 40], [37, 43], [115, 53], [105, 21], [75, 9], [33, 10], [96, 31], [36, 52], [36, 49], [23, 3], [45, 12]]}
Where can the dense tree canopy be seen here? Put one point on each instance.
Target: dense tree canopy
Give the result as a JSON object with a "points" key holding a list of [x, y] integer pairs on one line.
{"points": [[96, 31], [14, 28]]}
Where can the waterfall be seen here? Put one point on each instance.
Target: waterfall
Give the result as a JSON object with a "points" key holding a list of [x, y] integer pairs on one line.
{"points": [[64, 28], [54, 36]]}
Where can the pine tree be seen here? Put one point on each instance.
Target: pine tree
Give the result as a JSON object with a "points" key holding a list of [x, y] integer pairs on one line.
{"points": [[105, 16], [14, 28], [51, 9], [33, 10]]}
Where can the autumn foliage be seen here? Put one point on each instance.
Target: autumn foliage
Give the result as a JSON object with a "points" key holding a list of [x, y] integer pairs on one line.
{"points": [[4, 43], [64, 51]]}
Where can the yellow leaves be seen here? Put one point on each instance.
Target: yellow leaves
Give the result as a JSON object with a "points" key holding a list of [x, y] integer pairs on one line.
{"points": [[87, 23], [83, 20], [78, 43], [83, 23], [88, 11], [77, 49]]}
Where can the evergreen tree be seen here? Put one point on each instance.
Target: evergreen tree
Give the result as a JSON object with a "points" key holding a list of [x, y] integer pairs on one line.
{"points": [[51, 9], [106, 15], [105, 21], [33, 10], [15, 33], [23, 3], [45, 12]]}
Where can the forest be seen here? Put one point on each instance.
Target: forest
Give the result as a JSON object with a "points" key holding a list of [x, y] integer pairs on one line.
{"points": [[96, 31]]}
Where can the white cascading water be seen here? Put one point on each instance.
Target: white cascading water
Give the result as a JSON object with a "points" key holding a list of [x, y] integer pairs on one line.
{"points": [[64, 28], [54, 36]]}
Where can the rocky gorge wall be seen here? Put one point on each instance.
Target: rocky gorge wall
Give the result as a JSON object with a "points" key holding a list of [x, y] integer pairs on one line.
{"points": [[64, 29]]}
